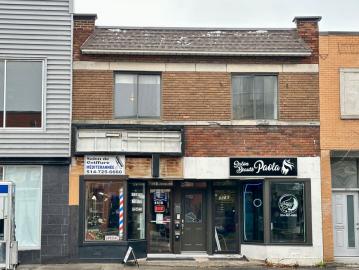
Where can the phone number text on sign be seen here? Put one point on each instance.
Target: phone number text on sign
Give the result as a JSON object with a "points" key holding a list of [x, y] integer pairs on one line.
{"points": [[104, 165]]}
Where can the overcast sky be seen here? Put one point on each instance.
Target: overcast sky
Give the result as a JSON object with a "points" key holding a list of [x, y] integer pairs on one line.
{"points": [[338, 15]]}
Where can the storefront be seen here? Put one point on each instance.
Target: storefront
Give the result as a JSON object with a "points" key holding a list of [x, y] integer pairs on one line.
{"points": [[258, 207]]}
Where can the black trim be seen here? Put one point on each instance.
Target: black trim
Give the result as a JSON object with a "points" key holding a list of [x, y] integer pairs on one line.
{"points": [[155, 165], [35, 160], [130, 127]]}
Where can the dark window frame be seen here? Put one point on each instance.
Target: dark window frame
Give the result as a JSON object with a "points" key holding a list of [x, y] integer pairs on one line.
{"points": [[82, 205], [275, 107], [267, 212], [139, 73]]}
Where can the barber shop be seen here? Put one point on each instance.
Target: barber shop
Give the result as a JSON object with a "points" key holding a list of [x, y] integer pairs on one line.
{"points": [[163, 204]]}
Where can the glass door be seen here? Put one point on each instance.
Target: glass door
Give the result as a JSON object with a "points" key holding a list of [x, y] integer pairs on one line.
{"points": [[225, 221], [160, 214]]}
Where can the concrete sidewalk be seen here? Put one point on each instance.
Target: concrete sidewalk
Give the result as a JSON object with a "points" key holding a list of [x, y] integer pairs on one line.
{"points": [[175, 265]]}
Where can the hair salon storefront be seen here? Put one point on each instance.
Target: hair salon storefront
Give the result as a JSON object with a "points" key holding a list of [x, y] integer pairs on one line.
{"points": [[165, 203]]}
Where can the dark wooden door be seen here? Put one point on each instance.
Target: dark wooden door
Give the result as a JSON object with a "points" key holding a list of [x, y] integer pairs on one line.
{"points": [[194, 221]]}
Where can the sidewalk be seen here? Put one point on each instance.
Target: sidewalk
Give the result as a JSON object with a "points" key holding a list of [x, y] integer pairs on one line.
{"points": [[174, 265]]}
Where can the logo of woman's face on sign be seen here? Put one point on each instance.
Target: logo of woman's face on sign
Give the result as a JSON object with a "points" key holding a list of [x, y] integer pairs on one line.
{"points": [[288, 204]]}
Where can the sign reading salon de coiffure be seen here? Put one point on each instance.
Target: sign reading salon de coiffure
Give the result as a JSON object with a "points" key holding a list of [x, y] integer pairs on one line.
{"points": [[104, 165], [262, 167]]}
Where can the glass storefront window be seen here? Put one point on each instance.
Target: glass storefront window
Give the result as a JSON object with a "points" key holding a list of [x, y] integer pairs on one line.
{"points": [[253, 230], [136, 211], [103, 215], [225, 232], [287, 212]]}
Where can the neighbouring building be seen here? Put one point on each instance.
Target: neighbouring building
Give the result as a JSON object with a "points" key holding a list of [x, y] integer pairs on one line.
{"points": [[195, 141], [35, 120], [339, 137]]}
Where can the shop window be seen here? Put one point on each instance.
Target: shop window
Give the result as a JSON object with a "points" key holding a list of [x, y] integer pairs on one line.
{"points": [[21, 93], [137, 96], [136, 211], [253, 230], [104, 209], [344, 173], [28, 201], [254, 97], [288, 212], [349, 93]]}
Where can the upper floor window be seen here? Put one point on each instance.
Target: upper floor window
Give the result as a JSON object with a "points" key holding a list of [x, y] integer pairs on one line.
{"points": [[349, 93], [254, 97], [21, 93], [137, 96]]}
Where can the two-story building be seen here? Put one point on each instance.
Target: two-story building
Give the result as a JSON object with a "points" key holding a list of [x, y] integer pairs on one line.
{"points": [[196, 141], [35, 121], [339, 114]]}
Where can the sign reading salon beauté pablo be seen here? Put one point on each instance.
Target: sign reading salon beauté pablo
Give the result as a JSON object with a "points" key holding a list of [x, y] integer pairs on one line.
{"points": [[104, 165], [263, 167]]}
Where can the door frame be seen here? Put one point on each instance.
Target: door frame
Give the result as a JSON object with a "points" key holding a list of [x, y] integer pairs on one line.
{"points": [[202, 191], [148, 216], [356, 222], [237, 217]]}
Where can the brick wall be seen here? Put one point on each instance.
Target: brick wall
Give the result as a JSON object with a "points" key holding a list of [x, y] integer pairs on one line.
{"points": [[335, 134], [92, 95], [194, 96], [308, 30], [252, 141], [299, 96]]}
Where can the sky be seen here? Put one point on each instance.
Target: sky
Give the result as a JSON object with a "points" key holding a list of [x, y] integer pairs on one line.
{"points": [[337, 15]]}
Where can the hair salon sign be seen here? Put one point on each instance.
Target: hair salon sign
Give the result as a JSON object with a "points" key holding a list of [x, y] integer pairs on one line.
{"points": [[263, 167]]}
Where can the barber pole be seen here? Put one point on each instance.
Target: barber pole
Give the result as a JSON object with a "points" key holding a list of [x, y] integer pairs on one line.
{"points": [[120, 221]]}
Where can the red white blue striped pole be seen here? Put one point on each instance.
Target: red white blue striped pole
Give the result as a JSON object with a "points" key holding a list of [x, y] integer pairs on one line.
{"points": [[120, 221]]}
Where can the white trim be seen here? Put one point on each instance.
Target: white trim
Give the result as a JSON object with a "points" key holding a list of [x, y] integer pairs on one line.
{"points": [[200, 123], [194, 67], [219, 53], [41, 129]]}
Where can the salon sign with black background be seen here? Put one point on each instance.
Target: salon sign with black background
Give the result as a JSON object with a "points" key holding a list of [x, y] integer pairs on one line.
{"points": [[263, 167]]}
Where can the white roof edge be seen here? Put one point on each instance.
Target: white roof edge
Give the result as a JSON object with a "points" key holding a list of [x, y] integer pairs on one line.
{"points": [[137, 52]]}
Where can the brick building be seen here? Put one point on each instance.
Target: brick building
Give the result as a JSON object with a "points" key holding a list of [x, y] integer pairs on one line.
{"points": [[339, 82], [196, 141]]}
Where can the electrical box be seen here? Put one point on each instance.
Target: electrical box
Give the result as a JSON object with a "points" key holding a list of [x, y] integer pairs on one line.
{"points": [[8, 244]]}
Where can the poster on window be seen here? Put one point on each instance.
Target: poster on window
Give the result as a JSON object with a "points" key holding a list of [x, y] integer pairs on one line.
{"points": [[104, 165]]}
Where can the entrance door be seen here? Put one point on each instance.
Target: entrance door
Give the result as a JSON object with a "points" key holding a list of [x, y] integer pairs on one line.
{"points": [[225, 221], [159, 227], [346, 224], [194, 221]]}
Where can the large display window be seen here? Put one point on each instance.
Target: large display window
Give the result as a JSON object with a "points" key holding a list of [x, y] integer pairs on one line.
{"points": [[104, 210], [276, 211], [112, 209]]}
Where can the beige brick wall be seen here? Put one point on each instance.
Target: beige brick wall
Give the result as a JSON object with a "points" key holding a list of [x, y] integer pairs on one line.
{"points": [[335, 134], [194, 96]]}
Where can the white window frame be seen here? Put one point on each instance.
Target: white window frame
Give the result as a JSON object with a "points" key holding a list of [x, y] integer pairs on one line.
{"points": [[343, 113], [40, 216], [43, 94]]}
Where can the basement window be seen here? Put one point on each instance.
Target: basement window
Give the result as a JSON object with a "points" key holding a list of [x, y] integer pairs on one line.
{"points": [[137, 95]]}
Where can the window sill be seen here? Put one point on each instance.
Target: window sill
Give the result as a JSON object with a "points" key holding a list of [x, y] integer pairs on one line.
{"points": [[22, 130]]}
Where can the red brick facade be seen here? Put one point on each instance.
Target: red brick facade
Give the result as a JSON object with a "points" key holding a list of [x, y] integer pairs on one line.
{"points": [[252, 141]]}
